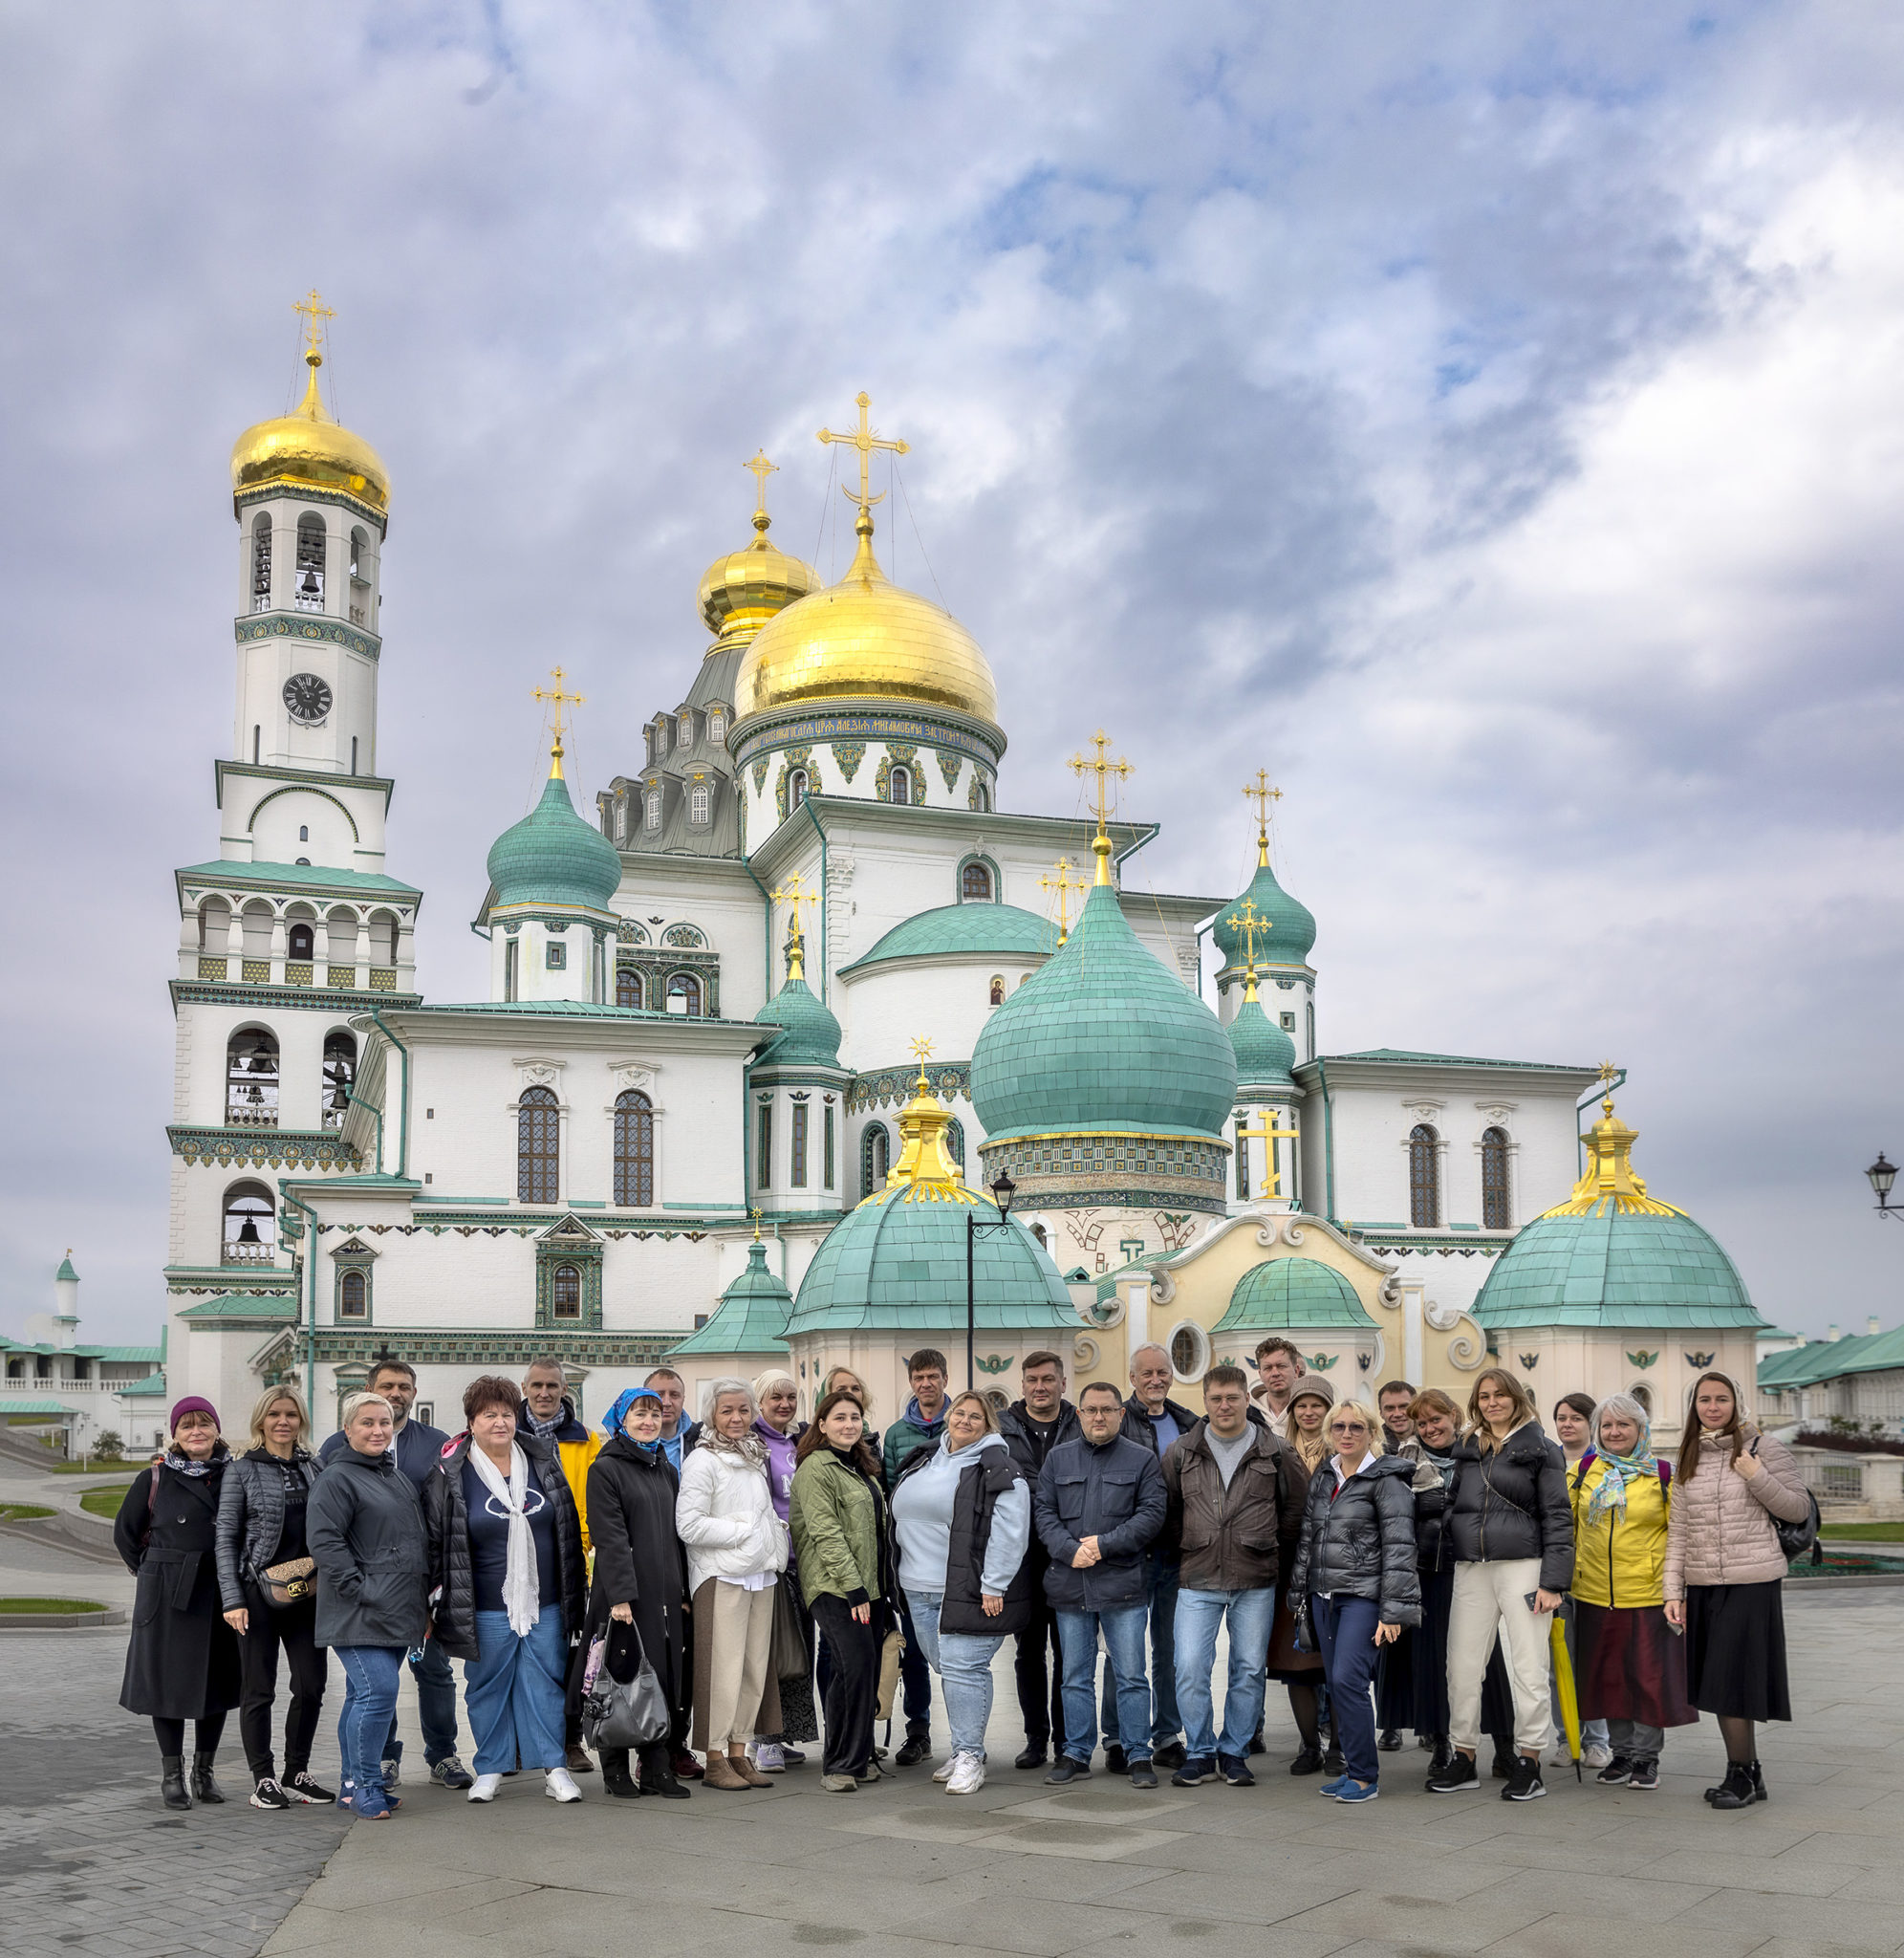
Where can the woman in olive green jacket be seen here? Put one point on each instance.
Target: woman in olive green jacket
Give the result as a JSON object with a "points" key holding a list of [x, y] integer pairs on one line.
{"points": [[837, 1514]]}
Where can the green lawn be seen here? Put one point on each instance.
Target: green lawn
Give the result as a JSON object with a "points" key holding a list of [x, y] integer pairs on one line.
{"points": [[104, 1502], [22, 1512], [1863, 1533], [50, 1604], [101, 1465]]}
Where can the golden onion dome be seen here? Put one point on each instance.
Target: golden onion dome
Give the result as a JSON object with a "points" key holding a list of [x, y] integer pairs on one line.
{"points": [[741, 591], [310, 449], [865, 639]]}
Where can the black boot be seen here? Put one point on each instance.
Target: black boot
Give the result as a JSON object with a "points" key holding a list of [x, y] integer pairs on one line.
{"points": [[204, 1788], [172, 1781], [658, 1774], [1445, 1752], [1743, 1786], [615, 1776], [1753, 1769]]}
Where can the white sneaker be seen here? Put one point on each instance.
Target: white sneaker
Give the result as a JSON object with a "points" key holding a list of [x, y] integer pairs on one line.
{"points": [[1595, 1757], [769, 1758], [486, 1787], [560, 1786], [968, 1775], [944, 1771]]}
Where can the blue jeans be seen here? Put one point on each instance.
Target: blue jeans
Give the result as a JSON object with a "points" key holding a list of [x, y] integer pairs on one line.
{"points": [[369, 1698], [1123, 1629], [436, 1705], [1165, 1723], [1345, 1628], [963, 1661], [513, 1690], [1198, 1615]]}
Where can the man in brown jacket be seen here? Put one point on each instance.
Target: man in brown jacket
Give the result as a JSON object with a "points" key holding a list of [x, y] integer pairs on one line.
{"points": [[1236, 1493]]}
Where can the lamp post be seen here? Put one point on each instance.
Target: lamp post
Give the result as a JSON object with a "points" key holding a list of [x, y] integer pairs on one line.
{"points": [[1883, 1175], [1003, 1190]]}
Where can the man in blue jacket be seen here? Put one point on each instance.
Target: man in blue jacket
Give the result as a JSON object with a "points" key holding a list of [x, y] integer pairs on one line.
{"points": [[417, 1449], [1098, 1505]]}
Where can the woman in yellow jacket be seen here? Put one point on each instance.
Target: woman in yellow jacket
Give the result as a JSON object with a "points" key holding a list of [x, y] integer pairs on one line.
{"points": [[1633, 1664]]}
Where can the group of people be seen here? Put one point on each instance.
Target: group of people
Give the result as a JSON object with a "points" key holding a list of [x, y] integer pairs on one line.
{"points": [[1393, 1567]]}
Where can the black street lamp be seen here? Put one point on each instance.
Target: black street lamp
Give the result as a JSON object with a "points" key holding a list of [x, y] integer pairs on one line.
{"points": [[1003, 1190], [1883, 1175]]}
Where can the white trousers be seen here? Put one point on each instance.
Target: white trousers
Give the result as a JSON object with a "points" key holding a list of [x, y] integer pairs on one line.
{"points": [[1489, 1603]]}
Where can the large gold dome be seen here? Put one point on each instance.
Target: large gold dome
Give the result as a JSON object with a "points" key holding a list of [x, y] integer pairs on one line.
{"points": [[865, 639], [741, 591], [310, 449]]}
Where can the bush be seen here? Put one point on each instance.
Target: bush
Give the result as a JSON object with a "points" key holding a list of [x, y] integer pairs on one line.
{"points": [[1840, 1443], [111, 1442]]}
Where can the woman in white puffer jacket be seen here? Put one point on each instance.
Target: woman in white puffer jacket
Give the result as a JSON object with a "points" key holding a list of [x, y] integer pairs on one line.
{"points": [[736, 1549]]}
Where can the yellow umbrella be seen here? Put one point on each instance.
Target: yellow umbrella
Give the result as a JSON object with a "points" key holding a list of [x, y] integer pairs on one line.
{"points": [[1562, 1679]]}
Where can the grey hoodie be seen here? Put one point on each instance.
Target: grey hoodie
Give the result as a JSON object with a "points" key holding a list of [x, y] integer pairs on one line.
{"points": [[922, 1518]]}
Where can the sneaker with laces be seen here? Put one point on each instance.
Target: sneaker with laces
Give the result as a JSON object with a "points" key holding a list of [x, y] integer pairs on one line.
{"points": [[300, 1787], [769, 1757], [968, 1775], [1524, 1783], [1197, 1768], [1595, 1756], [1616, 1774], [268, 1795], [1645, 1777], [1456, 1777], [1236, 1771], [393, 1772], [450, 1772]]}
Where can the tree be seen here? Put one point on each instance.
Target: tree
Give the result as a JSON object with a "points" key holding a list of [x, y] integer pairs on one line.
{"points": [[110, 1443]]}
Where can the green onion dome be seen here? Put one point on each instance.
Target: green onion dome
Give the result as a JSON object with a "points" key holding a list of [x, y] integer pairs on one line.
{"points": [[1103, 1037], [751, 1315], [1290, 927], [553, 857], [809, 1034], [1264, 1054]]}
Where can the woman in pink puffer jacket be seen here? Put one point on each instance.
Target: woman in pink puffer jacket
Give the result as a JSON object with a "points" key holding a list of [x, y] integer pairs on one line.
{"points": [[1725, 1572]]}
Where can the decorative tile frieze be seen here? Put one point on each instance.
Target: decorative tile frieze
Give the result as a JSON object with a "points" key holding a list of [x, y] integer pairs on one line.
{"points": [[263, 1148], [265, 625]]}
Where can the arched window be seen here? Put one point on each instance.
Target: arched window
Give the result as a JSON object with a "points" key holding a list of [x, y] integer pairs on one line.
{"points": [[975, 884], [981, 798], [717, 726], [1494, 1207], [565, 1292], [360, 578], [250, 1225], [299, 941], [1038, 1232], [1643, 1394], [699, 805], [955, 1141], [634, 1149], [796, 788], [998, 989], [251, 1080], [627, 987], [214, 926], [875, 1157], [341, 1059], [1424, 1177], [538, 1147], [353, 1295], [901, 784], [684, 995], [308, 578], [261, 564]]}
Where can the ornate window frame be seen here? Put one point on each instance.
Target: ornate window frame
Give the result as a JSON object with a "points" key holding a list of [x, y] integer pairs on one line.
{"points": [[536, 1071], [569, 1241], [352, 1257], [627, 1076], [980, 860]]}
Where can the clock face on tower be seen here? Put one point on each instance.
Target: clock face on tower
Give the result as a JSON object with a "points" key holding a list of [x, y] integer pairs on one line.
{"points": [[307, 697]]}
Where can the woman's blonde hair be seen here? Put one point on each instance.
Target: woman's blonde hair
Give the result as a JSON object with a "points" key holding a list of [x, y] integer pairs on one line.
{"points": [[1362, 1411], [355, 1404], [864, 1394], [979, 1400], [268, 1400], [765, 1384], [1524, 1406]]}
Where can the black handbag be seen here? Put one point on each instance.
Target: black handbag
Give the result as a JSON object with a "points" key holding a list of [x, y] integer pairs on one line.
{"points": [[791, 1659], [1795, 1539], [631, 1716]]}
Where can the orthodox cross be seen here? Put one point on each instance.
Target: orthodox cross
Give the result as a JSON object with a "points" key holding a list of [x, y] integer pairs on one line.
{"points": [[865, 442], [555, 695], [1064, 886], [923, 1053], [1263, 795], [1249, 921], [755, 1214], [793, 897], [1103, 769], [762, 469], [1269, 1135], [314, 312]]}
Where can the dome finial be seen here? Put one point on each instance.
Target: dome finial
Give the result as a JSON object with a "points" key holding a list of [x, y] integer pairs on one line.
{"points": [[1101, 844], [793, 896], [1064, 886], [865, 441], [762, 469], [559, 698], [1609, 1176], [1249, 921], [925, 1169], [313, 312], [1263, 795]]}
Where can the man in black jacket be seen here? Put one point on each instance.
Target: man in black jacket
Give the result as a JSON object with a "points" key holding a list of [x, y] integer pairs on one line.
{"points": [[1097, 1506], [1032, 1427]]}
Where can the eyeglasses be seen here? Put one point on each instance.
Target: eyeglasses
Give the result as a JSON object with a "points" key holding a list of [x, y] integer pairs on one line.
{"points": [[1348, 1428]]}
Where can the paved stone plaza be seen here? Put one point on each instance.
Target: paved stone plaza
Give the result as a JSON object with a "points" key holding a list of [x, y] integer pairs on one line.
{"points": [[93, 1864]]}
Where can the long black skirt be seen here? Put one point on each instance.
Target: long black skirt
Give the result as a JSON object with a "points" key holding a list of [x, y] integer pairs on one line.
{"points": [[1736, 1651]]}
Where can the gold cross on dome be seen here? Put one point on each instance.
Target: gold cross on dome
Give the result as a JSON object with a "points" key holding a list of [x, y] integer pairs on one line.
{"points": [[1064, 885], [1249, 921], [315, 313], [1263, 795], [755, 1214], [1103, 769], [762, 469], [865, 442], [559, 699], [1269, 1135], [793, 896], [923, 1053], [1607, 1070]]}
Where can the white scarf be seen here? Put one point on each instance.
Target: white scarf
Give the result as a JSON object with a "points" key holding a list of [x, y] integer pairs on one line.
{"points": [[522, 1591]]}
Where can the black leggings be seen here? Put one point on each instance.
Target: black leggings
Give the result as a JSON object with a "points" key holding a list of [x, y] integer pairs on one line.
{"points": [[290, 1627], [853, 1690], [171, 1734]]}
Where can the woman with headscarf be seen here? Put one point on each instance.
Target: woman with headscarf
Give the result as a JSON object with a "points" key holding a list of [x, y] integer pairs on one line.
{"points": [[640, 1580], [1299, 1670], [1630, 1672], [780, 1428], [182, 1661], [1725, 1573], [736, 1550]]}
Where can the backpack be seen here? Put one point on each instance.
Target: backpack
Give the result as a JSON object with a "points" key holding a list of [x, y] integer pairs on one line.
{"points": [[1796, 1538]]}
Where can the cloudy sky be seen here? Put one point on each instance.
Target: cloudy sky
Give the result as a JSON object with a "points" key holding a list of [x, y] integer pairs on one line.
{"points": [[1486, 417]]}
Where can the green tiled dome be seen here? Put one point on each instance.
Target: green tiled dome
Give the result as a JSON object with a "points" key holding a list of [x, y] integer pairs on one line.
{"points": [[1291, 928], [1613, 1268], [976, 928], [810, 1035], [552, 856], [1284, 1293], [1264, 1054], [1103, 1037], [751, 1317]]}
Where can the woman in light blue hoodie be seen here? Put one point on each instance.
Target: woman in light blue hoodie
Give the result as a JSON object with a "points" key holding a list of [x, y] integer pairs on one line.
{"points": [[961, 1516]]}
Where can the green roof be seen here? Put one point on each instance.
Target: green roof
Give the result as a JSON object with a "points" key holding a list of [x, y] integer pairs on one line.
{"points": [[1002, 929], [751, 1317], [1103, 1036], [1613, 1268], [1284, 1293], [154, 1385], [243, 1305], [1264, 1053], [224, 872], [811, 1034], [66, 1272], [1291, 931], [1400, 1057], [552, 856], [35, 1406], [899, 1263], [1825, 1360]]}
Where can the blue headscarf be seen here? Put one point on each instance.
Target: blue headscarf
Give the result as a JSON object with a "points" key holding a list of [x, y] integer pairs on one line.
{"points": [[1610, 1490], [623, 1401]]}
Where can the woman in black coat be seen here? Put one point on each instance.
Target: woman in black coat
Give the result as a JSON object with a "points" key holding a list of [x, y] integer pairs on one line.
{"points": [[640, 1581], [1354, 1581], [182, 1661]]}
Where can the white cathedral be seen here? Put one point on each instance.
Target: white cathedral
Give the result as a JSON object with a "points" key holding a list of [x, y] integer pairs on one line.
{"points": [[706, 1008]]}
